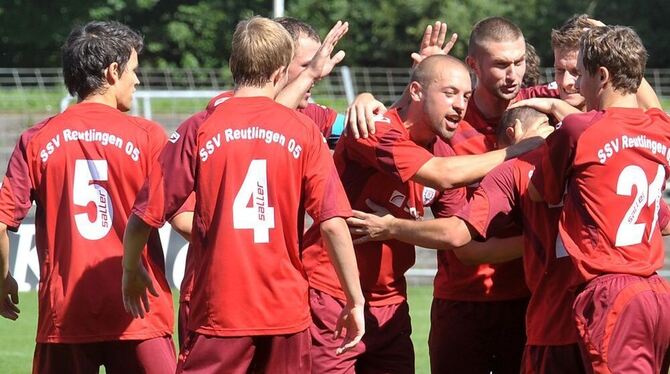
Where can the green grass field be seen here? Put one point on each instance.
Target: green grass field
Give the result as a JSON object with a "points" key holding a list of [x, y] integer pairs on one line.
{"points": [[17, 338]]}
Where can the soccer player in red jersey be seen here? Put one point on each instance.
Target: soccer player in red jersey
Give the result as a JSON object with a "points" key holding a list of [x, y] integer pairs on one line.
{"points": [[612, 163], [83, 168], [391, 167], [255, 167]]}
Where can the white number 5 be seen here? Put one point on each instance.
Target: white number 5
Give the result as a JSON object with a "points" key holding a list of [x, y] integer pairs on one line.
{"points": [[258, 215], [86, 191], [630, 232]]}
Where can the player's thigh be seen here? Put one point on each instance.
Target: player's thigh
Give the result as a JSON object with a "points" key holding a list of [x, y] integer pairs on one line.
{"points": [[325, 311], [67, 358], [389, 347], [552, 359], [209, 354], [458, 341], [150, 356]]}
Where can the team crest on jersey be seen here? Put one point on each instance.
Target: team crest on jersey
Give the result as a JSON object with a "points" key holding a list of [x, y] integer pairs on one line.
{"points": [[428, 196], [174, 137], [397, 198], [552, 86], [381, 118]]}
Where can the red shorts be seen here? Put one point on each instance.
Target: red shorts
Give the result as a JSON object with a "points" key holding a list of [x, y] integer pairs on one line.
{"points": [[386, 346], [477, 337], [120, 356], [624, 323], [552, 359], [281, 354]]}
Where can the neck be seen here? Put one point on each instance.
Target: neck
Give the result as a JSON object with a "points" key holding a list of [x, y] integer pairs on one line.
{"points": [[412, 119], [489, 106], [268, 90], [106, 98], [611, 98]]}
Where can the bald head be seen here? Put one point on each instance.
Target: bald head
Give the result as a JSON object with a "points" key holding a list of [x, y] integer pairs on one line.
{"points": [[431, 68]]}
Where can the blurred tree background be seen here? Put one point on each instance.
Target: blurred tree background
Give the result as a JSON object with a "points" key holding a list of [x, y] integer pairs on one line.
{"points": [[383, 33]]}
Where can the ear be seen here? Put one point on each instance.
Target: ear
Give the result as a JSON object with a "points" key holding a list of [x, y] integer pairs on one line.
{"points": [[278, 75], [472, 63], [603, 75], [112, 73], [510, 134], [415, 91]]}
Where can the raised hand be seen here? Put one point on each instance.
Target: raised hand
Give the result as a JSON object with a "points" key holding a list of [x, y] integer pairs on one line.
{"points": [[322, 63], [433, 42]]}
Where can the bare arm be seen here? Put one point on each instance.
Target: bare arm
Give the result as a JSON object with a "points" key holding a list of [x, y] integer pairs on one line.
{"points": [[182, 223], [492, 251], [341, 252], [448, 172], [320, 66], [136, 280], [646, 97], [9, 293]]}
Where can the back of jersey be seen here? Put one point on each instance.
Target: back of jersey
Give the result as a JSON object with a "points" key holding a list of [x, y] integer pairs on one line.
{"points": [[612, 208], [258, 166], [83, 168]]}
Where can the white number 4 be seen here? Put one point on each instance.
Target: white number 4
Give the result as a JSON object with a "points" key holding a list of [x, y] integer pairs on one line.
{"points": [[251, 209], [630, 232], [86, 191]]}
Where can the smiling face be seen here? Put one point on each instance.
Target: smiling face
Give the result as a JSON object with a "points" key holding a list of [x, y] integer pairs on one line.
{"points": [[500, 67], [305, 49], [445, 99], [565, 71]]}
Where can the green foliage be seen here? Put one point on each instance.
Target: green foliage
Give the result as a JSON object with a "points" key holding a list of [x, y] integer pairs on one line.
{"points": [[198, 33]]}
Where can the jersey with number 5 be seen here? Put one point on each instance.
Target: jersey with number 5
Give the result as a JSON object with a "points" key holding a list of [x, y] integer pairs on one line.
{"points": [[255, 166], [612, 165], [83, 169]]}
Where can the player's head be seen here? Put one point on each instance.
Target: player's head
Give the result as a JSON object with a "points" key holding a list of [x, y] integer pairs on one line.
{"points": [[508, 134], [262, 50], [565, 44], [611, 60], [101, 58], [497, 55], [440, 87], [532, 76], [306, 42]]}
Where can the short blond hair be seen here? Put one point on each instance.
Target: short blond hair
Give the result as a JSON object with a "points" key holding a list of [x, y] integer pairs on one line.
{"points": [[619, 50], [260, 47]]}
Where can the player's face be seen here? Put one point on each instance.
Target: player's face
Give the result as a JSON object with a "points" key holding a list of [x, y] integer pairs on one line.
{"points": [[587, 84], [126, 84], [500, 68], [445, 100], [305, 49], [565, 71]]}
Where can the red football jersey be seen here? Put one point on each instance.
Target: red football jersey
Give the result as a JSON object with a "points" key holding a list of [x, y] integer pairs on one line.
{"points": [[84, 168], [378, 168], [487, 282], [614, 164], [549, 271], [254, 166]]}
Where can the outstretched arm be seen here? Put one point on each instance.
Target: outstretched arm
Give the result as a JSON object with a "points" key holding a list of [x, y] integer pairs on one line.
{"points": [[341, 253], [320, 66], [492, 251]]}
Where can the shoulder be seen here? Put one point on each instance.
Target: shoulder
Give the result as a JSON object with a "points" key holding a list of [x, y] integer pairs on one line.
{"points": [[153, 130], [574, 125], [316, 109]]}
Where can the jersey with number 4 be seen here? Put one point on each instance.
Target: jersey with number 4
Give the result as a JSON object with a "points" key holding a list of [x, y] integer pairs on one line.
{"points": [[612, 165], [255, 166], [83, 168]]}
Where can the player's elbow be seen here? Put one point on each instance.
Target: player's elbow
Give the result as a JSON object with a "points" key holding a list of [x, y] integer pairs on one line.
{"points": [[333, 227], [135, 228]]}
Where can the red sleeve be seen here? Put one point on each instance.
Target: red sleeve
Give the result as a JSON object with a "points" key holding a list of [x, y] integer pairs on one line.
{"points": [[550, 176], [188, 206], [324, 195], [663, 215], [452, 200], [494, 199], [173, 176], [324, 117], [17, 187], [390, 151], [549, 90]]}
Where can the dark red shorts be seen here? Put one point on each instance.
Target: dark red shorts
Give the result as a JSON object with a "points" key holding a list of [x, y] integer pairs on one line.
{"points": [[386, 346], [120, 356], [552, 359], [281, 354], [477, 337], [624, 323]]}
